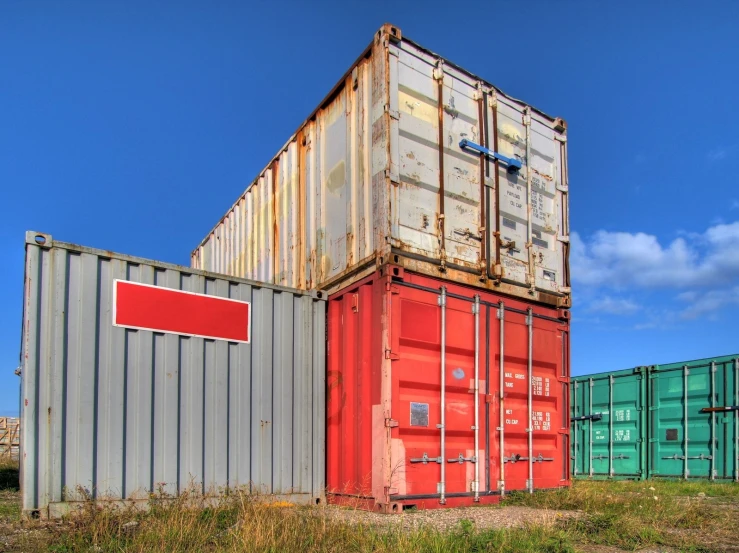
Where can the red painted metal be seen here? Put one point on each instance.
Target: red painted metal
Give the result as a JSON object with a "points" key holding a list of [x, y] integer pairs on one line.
{"points": [[161, 309], [384, 354]]}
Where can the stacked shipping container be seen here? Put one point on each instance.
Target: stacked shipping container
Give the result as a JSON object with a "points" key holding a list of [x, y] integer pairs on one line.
{"points": [[433, 208], [663, 421]]}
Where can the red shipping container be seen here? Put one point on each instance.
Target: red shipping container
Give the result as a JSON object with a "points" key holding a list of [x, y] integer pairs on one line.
{"points": [[400, 435]]}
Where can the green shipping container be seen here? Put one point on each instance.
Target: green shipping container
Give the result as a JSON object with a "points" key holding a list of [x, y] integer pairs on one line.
{"points": [[693, 419], [664, 421], [608, 425]]}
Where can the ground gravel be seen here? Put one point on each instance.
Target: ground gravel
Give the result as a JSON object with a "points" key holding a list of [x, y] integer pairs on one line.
{"points": [[483, 518]]}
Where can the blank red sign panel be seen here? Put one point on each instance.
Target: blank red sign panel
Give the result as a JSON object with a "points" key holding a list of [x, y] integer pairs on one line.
{"points": [[147, 307]]}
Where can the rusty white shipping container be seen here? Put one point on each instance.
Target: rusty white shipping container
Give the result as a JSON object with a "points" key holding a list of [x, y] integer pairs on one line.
{"points": [[410, 160], [114, 410]]}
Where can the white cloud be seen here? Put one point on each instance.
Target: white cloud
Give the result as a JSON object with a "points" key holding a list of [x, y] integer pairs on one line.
{"points": [[707, 303], [613, 306], [621, 260]]}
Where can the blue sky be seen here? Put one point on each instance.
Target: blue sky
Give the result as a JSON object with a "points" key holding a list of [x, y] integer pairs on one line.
{"points": [[132, 126]]}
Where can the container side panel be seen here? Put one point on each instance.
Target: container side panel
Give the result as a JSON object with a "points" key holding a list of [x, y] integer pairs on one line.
{"points": [[118, 413]]}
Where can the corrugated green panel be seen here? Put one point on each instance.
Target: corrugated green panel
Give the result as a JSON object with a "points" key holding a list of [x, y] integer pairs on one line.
{"points": [[686, 442], [609, 439]]}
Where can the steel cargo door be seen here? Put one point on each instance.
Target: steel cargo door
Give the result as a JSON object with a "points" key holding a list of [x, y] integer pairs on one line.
{"points": [[691, 436], [519, 133], [613, 425], [534, 418], [436, 454]]}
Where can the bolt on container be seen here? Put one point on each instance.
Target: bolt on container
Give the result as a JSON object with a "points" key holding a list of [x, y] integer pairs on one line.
{"points": [[441, 394], [131, 384], [412, 160]]}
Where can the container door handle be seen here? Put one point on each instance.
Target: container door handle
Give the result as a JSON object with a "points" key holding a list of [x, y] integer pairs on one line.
{"points": [[461, 459], [513, 164]]}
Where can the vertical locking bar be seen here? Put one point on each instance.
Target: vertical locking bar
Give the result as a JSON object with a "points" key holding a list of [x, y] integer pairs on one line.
{"points": [[501, 394], [476, 311], [686, 372], [530, 429], [590, 429], [529, 201], [439, 75], [713, 420], [610, 425], [442, 426]]}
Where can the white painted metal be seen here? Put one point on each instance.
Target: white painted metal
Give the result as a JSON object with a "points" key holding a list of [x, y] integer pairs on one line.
{"points": [[360, 182]]}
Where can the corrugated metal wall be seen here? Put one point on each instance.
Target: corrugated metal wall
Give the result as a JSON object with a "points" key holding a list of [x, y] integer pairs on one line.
{"points": [[118, 413]]}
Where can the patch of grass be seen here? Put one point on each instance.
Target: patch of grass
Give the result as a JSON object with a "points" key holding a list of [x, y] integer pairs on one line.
{"points": [[9, 472], [244, 524], [633, 515], [620, 514]]}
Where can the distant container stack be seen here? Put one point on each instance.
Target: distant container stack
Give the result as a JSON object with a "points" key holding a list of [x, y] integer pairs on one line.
{"points": [[663, 421], [433, 208]]}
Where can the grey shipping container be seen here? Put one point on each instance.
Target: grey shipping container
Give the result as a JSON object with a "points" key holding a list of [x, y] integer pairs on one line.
{"points": [[413, 161], [116, 413]]}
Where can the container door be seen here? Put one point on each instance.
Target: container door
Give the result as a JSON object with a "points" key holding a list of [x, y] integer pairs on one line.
{"points": [[534, 418], [518, 132], [614, 431], [693, 423], [435, 414]]}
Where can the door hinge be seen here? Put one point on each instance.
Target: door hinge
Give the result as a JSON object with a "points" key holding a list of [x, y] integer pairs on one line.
{"points": [[391, 423], [392, 288], [390, 355]]}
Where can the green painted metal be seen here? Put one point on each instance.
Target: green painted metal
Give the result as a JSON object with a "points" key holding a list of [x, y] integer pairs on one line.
{"points": [[685, 441], [663, 421], [608, 425]]}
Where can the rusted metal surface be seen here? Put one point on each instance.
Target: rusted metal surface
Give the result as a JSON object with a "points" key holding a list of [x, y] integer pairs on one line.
{"points": [[378, 170]]}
